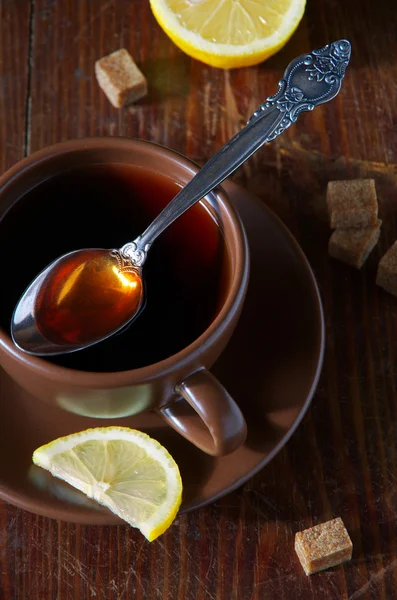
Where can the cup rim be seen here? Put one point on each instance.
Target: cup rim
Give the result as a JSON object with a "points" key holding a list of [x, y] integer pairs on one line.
{"points": [[191, 353]]}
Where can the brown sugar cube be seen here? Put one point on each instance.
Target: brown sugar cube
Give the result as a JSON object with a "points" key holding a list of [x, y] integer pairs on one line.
{"points": [[352, 203], [120, 78], [353, 246], [323, 546], [386, 276]]}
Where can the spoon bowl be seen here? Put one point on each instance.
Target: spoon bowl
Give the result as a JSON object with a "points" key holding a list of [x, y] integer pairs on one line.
{"points": [[59, 313]]}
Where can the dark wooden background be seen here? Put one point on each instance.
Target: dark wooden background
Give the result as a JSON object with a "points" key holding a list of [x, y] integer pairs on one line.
{"points": [[342, 460]]}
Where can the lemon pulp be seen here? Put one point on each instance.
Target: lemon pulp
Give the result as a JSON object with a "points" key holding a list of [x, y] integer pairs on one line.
{"points": [[123, 469], [229, 33]]}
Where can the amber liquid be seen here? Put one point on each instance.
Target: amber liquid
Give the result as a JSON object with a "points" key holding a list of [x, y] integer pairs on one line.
{"points": [[87, 295], [105, 206]]}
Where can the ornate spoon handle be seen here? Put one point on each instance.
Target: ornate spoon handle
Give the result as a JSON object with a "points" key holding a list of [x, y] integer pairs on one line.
{"points": [[309, 80]]}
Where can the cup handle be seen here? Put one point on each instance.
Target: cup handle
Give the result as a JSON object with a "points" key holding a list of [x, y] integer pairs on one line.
{"points": [[218, 427]]}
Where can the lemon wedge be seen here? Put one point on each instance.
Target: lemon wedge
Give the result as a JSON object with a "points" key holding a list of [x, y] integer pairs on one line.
{"points": [[123, 469], [229, 33]]}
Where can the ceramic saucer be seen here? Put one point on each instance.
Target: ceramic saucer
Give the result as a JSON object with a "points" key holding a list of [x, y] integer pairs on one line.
{"points": [[270, 367]]}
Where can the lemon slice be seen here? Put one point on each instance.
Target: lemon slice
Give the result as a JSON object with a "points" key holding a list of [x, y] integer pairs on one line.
{"points": [[121, 468], [229, 33]]}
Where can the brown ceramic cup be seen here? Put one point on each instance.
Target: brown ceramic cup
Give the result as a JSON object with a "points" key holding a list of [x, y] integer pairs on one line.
{"points": [[216, 424]]}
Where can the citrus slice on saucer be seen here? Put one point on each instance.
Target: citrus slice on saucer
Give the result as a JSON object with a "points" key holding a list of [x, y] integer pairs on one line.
{"points": [[123, 469], [229, 33]]}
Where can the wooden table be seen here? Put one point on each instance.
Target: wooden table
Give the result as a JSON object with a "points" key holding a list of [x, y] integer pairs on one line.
{"points": [[342, 461]]}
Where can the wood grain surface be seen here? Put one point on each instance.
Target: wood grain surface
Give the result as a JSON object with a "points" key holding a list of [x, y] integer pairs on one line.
{"points": [[342, 460]]}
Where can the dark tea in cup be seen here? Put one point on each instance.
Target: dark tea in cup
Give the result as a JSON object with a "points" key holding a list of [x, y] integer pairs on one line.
{"points": [[105, 206]]}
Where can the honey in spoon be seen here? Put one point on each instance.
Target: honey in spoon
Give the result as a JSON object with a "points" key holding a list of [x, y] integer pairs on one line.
{"points": [[88, 295]]}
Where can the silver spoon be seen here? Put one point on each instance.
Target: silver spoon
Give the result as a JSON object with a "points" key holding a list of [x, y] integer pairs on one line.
{"points": [[309, 80]]}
